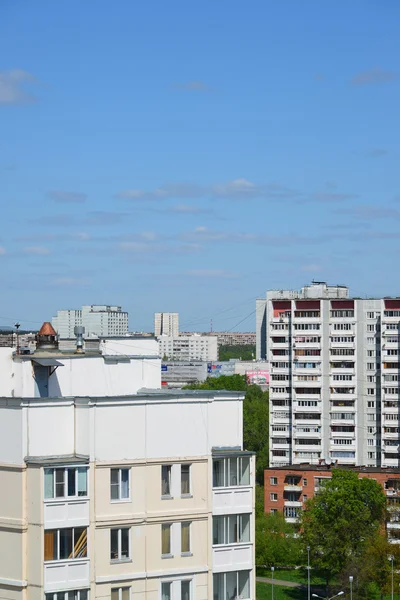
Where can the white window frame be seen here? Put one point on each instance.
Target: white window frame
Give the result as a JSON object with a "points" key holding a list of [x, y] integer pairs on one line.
{"points": [[171, 532], [120, 558], [271, 497], [119, 499], [170, 470], [273, 481], [239, 471], [57, 530], [54, 595], [65, 468], [176, 587], [237, 582], [239, 529]]}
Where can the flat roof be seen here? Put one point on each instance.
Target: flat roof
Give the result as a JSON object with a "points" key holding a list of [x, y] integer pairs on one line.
{"points": [[358, 469]]}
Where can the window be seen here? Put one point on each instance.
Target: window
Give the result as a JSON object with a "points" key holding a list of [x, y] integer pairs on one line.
{"points": [[304, 497], [231, 472], [166, 480], [119, 484], [342, 327], [166, 590], [304, 481], [185, 537], [231, 529], [273, 480], [342, 313], [185, 480], [65, 544], [371, 455], [119, 543], [273, 497], [70, 595], [371, 442], [65, 482], [273, 511], [370, 315], [370, 328], [371, 404], [185, 590], [235, 584], [371, 367], [122, 593], [166, 539], [371, 391], [370, 353]]}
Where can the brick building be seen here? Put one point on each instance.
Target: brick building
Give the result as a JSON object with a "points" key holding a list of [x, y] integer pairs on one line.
{"points": [[287, 488]]}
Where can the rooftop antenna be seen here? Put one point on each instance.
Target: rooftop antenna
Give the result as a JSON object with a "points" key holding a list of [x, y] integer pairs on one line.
{"points": [[17, 325], [211, 329]]}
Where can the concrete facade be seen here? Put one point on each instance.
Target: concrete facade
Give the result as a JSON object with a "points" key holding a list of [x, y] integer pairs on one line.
{"points": [[286, 489], [114, 490], [334, 389], [166, 324], [97, 319], [191, 347]]}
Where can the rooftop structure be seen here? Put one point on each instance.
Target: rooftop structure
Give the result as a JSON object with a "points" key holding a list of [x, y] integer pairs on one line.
{"points": [[113, 488]]}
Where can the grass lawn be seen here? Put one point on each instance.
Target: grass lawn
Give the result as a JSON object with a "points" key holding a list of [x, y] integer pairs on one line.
{"points": [[264, 592], [298, 575]]}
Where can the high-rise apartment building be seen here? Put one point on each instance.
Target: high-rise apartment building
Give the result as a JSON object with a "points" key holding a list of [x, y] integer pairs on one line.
{"points": [[188, 347], [166, 324], [111, 489], [334, 377], [97, 319]]}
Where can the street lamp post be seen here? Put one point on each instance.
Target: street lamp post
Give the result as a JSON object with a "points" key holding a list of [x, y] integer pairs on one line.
{"points": [[331, 598], [272, 572], [351, 586], [308, 573], [391, 558]]}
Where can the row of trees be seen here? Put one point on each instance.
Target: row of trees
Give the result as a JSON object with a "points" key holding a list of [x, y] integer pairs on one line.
{"points": [[343, 525]]}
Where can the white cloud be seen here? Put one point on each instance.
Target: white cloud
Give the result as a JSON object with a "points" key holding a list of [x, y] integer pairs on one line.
{"points": [[37, 250], [12, 84], [67, 197], [240, 189]]}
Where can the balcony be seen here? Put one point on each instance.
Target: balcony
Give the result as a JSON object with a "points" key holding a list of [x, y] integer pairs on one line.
{"points": [[340, 396], [294, 520], [232, 557], [341, 370], [393, 494], [232, 500], [297, 503], [306, 396], [291, 487], [310, 409], [307, 434], [278, 446], [336, 345], [278, 395], [66, 574], [343, 434], [279, 345], [390, 435], [66, 513], [306, 345], [312, 384], [393, 524]]}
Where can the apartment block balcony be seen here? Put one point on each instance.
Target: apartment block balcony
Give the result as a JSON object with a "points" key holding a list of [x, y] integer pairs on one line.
{"points": [[292, 487], [279, 446], [345, 460], [342, 396], [278, 345], [390, 345], [311, 409], [393, 524], [341, 370], [278, 395], [312, 384], [337, 419], [301, 368], [348, 435], [306, 345], [390, 436], [306, 395], [232, 557], [66, 574], [66, 513], [307, 447], [307, 434], [342, 345], [391, 462], [308, 421], [391, 410], [389, 422], [297, 503]]}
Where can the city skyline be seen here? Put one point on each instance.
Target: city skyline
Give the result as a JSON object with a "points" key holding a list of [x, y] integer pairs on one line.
{"points": [[210, 152]]}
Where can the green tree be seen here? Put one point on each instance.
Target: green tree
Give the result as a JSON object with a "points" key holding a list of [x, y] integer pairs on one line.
{"points": [[245, 352], [341, 521], [276, 543], [255, 415]]}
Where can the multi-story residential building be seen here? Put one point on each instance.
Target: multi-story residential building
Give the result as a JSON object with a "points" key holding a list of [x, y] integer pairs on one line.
{"points": [[111, 488], [234, 338], [334, 377], [166, 324], [97, 319], [191, 347], [286, 489]]}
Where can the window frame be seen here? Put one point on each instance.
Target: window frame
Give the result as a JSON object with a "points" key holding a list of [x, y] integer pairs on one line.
{"points": [[65, 497], [120, 498], [237, 587], [227, 471], [121, 558], [57, 595], [120, 590], [238, 528], [57, 531], [166, 554], [189, 493], [188, 525], [167, 496]]}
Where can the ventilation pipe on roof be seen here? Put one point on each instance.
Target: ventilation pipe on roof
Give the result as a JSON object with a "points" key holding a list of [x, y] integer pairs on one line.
{"points": [[79, 331]]}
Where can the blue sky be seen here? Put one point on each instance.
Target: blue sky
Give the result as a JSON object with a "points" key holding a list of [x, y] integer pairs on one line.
{"points": [[188, 156]]}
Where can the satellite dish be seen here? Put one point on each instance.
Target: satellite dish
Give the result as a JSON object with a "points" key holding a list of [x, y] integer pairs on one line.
{"points": [[328, 462]]}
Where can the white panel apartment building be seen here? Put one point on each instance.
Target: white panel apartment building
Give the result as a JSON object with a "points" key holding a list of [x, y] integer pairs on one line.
{"points": [[189, 347], [114, 491], [334, 385], [166, 324], [97, 319]]}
